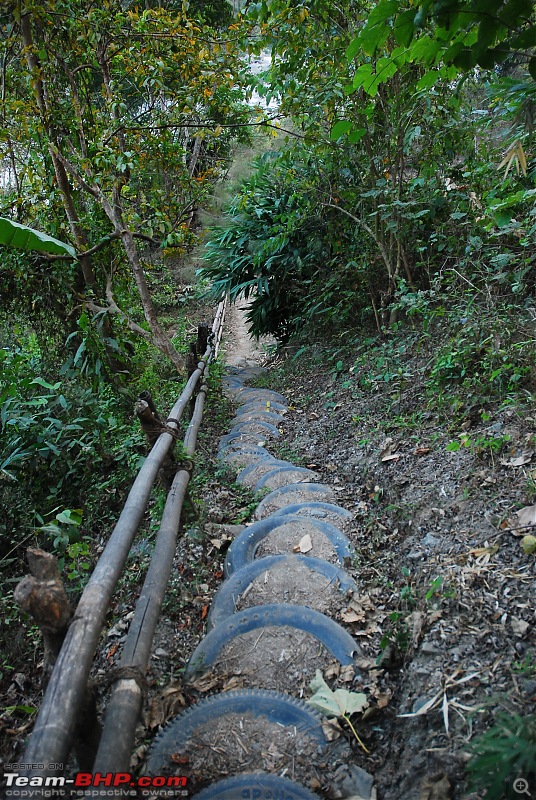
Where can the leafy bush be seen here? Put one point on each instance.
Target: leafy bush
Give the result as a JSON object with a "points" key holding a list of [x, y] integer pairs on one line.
{"points": [[502, 756], [271, 247], [57, 440]]}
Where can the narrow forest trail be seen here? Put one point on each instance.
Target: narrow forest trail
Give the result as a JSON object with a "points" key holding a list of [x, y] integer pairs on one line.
{"points": [[253, 729], [443, 643], [240, 349]]}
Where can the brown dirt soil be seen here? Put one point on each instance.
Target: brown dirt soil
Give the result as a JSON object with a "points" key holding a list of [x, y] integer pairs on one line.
{"points": [[447, 593], [291, 581], [281, 658], [287, 537], [243, 743]]}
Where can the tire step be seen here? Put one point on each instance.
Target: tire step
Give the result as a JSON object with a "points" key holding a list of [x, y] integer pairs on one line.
{"points": [[244, 547], [267, 574], [227, 650]]}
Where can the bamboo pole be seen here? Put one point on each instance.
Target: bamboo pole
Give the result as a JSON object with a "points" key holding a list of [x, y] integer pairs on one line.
{"points": [[52, 738]]}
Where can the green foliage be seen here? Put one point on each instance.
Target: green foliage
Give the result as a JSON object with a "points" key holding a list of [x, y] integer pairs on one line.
{"points": [[270, 248], [504, 753], [55, 437], [464, 33], [527, 667]]}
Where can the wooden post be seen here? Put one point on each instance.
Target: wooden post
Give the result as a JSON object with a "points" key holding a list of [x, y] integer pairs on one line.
{"points": [[147, 397], [191, 359], [43, 596], [203, 330], [150, 424], [152, 427]]}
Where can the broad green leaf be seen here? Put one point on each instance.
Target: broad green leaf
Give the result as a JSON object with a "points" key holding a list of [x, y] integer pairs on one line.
{"points": [[516, 9], [375, 32], [524, 40], [422, 14], [404, 27], [382, 12], [424, 49], [385, 69], [356, 135], [362, 74], [466, 59], [428, 80], [339, 129], [353, 48], [24, 238], [42, 382], [372, 38]]}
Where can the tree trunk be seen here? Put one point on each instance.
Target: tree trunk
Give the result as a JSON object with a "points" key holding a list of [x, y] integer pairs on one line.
{"points": [[161, 340]]}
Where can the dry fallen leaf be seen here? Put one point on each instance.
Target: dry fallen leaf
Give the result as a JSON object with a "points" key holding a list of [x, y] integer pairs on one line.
{"points": [[304, 545], [350, 615], [519, 461], [421, 451], [415, 621], [445, 710], [524, 518], [435, 787], [483, 551], [365, 663], [519, 626], [387, 455], [332, 671], [383, 699], [165, 706], [332, 730], [205, 683], [424, 708], [347, 674], [236, 682]]}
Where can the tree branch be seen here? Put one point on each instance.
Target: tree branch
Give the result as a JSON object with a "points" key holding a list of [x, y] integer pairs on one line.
{"points": [[113, 308], [367, 229]]}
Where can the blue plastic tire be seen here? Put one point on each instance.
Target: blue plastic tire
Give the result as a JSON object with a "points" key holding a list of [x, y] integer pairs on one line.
{"points": [[247, 426], [262, 405], [243, 549], [258, 416], [257, 470], [284, 475], [224, 601], [334, 637], [273, 706], [249, 393], [296, 493], [329, 512], [256, 786]]}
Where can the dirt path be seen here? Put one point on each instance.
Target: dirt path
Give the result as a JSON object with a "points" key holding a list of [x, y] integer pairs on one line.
{"points": [[241, 350]]}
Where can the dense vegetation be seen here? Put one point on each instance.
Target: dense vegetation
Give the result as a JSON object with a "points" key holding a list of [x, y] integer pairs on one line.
{"points": [[409, 184], [116, 123]]}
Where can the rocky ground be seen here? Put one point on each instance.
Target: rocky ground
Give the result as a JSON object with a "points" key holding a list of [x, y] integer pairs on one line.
{"points": [[446, 613]]}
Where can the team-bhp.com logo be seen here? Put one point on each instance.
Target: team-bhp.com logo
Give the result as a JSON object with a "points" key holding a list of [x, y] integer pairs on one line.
{"points": [[106, 783]]}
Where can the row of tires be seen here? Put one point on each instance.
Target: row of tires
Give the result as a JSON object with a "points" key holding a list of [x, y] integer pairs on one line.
{"points": [[270, 628]]}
